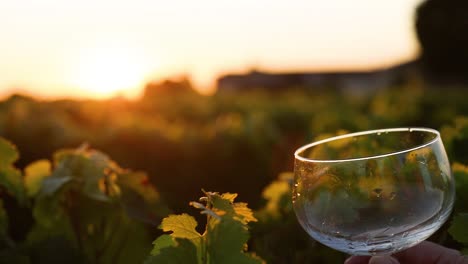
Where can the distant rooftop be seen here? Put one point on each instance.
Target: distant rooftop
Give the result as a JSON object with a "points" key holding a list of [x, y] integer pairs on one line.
{"points": [[344, 80]]}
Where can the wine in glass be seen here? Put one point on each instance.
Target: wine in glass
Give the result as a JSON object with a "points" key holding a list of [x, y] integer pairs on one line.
{"points": [[373, 192]]}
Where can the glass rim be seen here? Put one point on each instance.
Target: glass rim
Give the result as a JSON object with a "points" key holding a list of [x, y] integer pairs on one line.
{"points": [[367, 132]]}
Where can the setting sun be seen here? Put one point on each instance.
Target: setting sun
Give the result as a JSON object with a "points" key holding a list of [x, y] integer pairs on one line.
{"points": [[103, 72], [99, 50]]}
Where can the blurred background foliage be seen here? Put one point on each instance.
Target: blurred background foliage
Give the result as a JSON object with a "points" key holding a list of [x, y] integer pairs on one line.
{"points": [[82, 207], [237, 142]]}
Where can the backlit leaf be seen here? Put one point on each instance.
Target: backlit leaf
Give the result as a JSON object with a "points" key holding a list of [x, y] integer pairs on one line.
{"points": [[229, 196], [182, 226], [34, 174], [8, 153], [224, 240], [238, 210], [11, 179], [273, 194], [244, 212]]}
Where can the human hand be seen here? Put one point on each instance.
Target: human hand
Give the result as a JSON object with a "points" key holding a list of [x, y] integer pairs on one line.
{"points": [[424, 253]]}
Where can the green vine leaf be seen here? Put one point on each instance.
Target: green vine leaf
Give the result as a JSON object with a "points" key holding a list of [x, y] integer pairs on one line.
{"points": [[34, 174], [224, 240], [94, 204], [10, 177], [52, 185], [274, 194], [161, 242], [8, 153], [226, 205], [87, 167], [181, 226], [229, 196], [460, 173], [183, 252], [459, 228]]}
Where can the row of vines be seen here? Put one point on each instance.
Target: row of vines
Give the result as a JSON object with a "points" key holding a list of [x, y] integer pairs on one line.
{"points": [[81, 206]]}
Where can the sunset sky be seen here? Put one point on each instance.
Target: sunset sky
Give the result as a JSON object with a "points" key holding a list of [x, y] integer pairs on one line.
{"points": [[96, 48]]}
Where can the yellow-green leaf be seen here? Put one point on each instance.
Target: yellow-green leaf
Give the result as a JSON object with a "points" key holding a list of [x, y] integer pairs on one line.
{"points": [[244, 212], [11, 179], [229, 196], [182, 226], [273, 194], [238, 210], [8, 153], [34, 174], [223, 241]]}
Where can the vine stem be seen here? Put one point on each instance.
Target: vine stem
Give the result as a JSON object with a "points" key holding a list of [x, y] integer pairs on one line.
{"points": [[204, 242]]}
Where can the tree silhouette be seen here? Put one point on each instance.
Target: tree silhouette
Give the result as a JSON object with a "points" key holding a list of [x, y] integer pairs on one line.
{"points": [[442, 30]]}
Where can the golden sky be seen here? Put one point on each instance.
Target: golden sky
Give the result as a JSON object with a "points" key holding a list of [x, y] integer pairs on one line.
{"points": [[86, 48]]}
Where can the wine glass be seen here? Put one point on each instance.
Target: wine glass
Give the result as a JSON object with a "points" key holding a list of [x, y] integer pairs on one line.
{"points": [[373, 192]]}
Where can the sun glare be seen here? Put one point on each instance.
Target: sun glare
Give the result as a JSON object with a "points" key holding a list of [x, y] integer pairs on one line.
{"points": [[109, 71]]}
